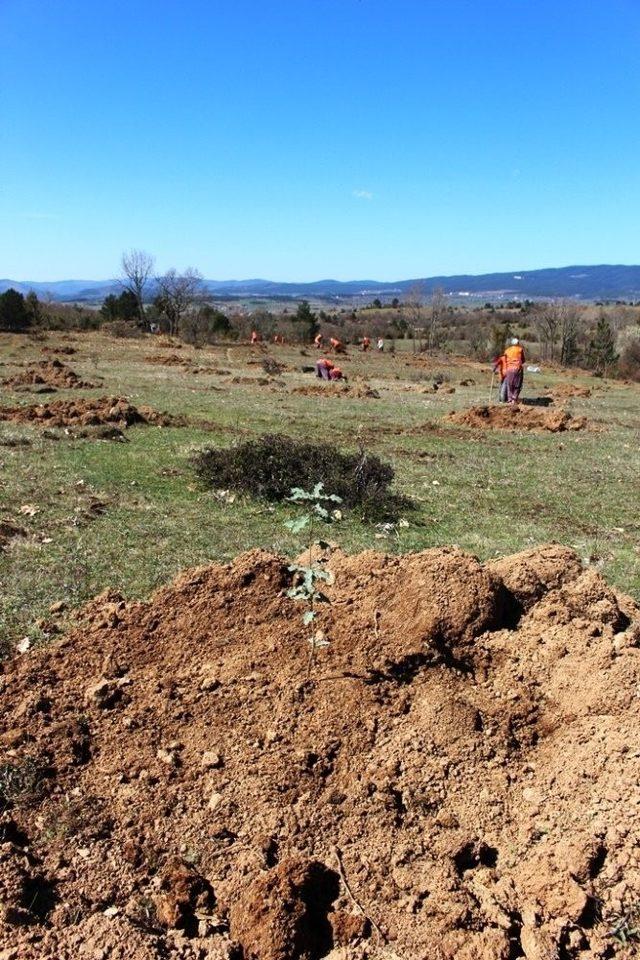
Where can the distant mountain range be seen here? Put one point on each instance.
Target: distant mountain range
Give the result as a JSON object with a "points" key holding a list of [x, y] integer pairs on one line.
{"points": [[584, 283]]}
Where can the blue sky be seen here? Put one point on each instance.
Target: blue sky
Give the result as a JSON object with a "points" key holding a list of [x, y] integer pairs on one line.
{"points": [[305, 139]]}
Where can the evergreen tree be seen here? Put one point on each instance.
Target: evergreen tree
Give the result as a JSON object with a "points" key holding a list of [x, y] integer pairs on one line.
{"points": [[307, 319], [601, 354], [14, 314]]}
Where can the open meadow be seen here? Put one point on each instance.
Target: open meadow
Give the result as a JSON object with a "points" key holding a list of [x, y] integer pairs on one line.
{"points": [[131, 514]]}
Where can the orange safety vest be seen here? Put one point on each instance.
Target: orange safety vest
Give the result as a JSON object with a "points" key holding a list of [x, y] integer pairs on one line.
{"points": [[329, 364], [514, 357]]}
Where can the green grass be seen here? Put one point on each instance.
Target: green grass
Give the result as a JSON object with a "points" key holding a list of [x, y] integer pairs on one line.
{"points": [[489, 492]]}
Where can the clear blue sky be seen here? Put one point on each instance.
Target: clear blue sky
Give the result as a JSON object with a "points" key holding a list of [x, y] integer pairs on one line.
{"points": [[305, 139]]}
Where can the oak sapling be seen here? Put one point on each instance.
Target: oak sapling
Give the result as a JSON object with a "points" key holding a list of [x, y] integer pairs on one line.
{"points": [[310, 575]]}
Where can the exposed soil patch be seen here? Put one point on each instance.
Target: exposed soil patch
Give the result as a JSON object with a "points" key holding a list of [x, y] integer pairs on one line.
{"points": [[48, 373], [457, 780], [517, 417], [90, 413], [64, 350], [167, 360], [10, 531], [359, 390], [564, 391]]}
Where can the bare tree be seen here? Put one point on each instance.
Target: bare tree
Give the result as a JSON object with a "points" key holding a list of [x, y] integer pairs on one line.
{"points": [[569, 314], [437, 309], [412, 313], [547, 323], [137, 268], [177, 292]]}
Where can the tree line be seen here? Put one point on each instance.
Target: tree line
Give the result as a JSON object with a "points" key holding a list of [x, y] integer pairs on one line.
{"points": [[603, 338]]}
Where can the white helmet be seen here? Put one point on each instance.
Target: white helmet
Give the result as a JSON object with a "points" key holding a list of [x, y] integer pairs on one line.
{"points": [[514, 341]]}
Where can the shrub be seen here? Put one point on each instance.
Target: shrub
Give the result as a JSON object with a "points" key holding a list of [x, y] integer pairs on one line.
{"points": [[272, 465], [20, 782], [629, 365]]}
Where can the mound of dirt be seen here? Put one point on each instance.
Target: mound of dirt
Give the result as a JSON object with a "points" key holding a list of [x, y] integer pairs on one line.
{"points": [[89, 413], [167, 360], [359, 390], [516, 417], [457, 778], [67, 351], [49, 373], [565, 391]]}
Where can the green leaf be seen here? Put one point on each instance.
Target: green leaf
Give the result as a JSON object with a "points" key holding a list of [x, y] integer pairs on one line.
{"points": [[297, 525], [308, 617]]}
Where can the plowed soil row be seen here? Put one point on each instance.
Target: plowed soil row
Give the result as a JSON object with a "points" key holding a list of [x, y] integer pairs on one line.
{"points": [[456, 779]]}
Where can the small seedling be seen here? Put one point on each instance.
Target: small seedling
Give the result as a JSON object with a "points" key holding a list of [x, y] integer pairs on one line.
{"points": [[310, 575]]}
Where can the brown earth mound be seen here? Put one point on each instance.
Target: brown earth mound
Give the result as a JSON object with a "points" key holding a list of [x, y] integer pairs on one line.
{"points": [[89, 413], [564, 391], [359, 390], [516, 417], [67, 351], [168, 360], [49, 373], [458, 778]]}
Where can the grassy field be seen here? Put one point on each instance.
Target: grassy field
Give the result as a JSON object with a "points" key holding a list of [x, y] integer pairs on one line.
{"points": [[130, 515]]}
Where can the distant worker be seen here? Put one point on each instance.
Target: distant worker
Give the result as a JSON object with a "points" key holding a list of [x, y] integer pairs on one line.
{"points": [[500, 367], [255, 336], [317, 342], [337, 345], [366, 343], [380, 344], [324, 368], [515, 360]]}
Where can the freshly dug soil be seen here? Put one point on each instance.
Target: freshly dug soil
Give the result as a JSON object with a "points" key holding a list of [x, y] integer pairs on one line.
{"points": [[516, 417], [564, 391], [457, 778], [49, 373], [357, 390], [167, 360], [89, 413], [67, 351]]}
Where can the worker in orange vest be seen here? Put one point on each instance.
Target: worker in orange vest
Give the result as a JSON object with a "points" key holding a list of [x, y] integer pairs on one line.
{"points": [[337, 345], [324, 368], [515, 360], [366, 343], [500, 367], [318, 341], [336, 374]]}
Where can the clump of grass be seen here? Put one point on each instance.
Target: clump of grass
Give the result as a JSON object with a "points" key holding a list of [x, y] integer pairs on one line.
{"points": [[272, 367], [20, 782], [272, 465]]}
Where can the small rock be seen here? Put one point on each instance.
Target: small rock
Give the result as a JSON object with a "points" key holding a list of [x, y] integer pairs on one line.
{"points": [[214, 800], [211, 761], [57, 607]]}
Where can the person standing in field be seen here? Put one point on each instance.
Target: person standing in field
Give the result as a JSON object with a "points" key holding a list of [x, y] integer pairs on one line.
{"points": [[500, 367], [380, 344], [515, 360], [366, 343], [317, 342]]}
